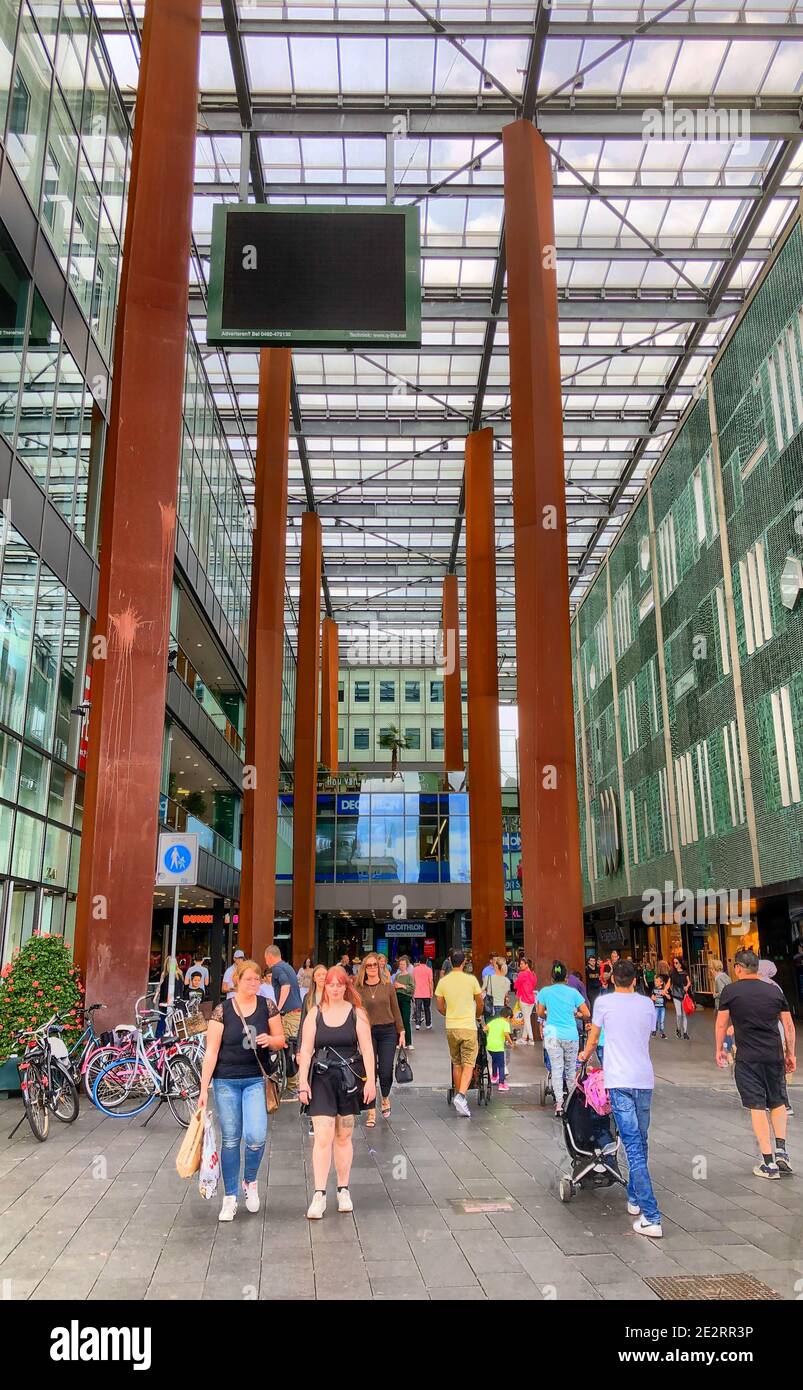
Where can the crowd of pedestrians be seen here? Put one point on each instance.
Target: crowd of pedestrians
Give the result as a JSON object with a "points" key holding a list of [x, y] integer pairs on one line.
{"points": [[346, 1026]]}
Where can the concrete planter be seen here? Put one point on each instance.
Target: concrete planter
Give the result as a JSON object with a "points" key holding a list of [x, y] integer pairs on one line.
{"points": [[10, 1077]]}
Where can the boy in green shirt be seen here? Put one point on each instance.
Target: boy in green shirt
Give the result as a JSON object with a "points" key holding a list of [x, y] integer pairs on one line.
{"points": [[497, 1037]]}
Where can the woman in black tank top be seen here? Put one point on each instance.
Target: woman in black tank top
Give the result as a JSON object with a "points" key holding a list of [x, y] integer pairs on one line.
{"points": [[336, 1077]]}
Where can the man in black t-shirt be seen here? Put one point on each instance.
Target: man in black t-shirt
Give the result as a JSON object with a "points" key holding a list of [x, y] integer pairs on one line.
{"points": [[762, 1057]]}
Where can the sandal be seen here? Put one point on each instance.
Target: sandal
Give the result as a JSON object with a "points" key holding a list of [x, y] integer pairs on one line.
{"points": [[370, 1119], [386, 1109]]}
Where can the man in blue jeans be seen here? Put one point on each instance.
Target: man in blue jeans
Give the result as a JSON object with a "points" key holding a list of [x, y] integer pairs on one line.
{"points": [[629, 1021]]}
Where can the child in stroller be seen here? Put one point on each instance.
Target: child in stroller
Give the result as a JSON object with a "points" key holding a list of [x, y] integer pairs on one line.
{"points": [[590, 1137]]}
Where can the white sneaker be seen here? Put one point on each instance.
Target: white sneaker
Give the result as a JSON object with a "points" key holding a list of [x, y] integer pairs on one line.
{"points": [[633, 1210], [410, 1047], [317, 1207], [344, 1202], [228, 1209], [643, 1227], [251, 1190], [461, 1106]]}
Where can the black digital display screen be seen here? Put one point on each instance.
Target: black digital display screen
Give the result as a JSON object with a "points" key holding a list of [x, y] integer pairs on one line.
{"points": [[314, 272]]}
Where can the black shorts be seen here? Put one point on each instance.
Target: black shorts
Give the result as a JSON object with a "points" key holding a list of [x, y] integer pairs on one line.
{"points": [[329, 1098], [761, 1085]]}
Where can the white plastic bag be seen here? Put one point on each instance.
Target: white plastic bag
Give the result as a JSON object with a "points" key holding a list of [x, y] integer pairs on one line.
{"points": [[210, 1160]]}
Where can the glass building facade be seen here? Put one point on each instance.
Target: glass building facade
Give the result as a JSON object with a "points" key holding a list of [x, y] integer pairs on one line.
{"points": [[65, 149], [64, 138]]}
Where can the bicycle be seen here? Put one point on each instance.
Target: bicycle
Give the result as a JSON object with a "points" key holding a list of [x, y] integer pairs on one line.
{"points": [[92, 1050], [45, 1078], [159, 1071]]}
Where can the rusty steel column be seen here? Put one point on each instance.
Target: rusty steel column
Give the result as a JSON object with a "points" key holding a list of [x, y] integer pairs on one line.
{"points": [[329, 680], [452, 698], [305, 762], [484, 766], [138, 522], [550, 834], [263, 715]]}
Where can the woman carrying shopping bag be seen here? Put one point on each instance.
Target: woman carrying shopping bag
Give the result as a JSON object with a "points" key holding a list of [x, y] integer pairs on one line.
{"points": [[242, 1034]]}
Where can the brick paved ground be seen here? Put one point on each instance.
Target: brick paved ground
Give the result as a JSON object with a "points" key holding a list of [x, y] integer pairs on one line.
{"points": [[98, 1211]]}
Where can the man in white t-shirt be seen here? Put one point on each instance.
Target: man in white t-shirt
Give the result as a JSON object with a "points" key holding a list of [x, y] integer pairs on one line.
{"points": [[227, 984], [629, 1021]]}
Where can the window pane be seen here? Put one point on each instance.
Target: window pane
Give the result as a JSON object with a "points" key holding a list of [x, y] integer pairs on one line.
{"points": [[17, 597], [28, 105], [84, 243], [413, 738], [33, 780], [412, 691], [62, 784], [29, 834], [66, 436], [9, 762], [38, 391], [387, 692], [325, 850], [58, 191], [71, 692], [9, 13], [436, 738], [6, 826], [455, 862], [14, 292], [95, 117], [387, 848], [57, 848], [104, 293], [436, 691], [43, 684], [362, 692], [71, 53]]}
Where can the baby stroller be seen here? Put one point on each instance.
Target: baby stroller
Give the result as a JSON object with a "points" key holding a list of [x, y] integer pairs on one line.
{"points": [[591, 1140], [481, 1080]]}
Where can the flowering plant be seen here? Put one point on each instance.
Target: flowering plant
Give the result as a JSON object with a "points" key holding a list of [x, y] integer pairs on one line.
{"points": [[38, 981]]}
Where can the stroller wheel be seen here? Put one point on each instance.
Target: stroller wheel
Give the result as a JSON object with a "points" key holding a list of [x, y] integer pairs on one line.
{"points": [[566, 1189]]}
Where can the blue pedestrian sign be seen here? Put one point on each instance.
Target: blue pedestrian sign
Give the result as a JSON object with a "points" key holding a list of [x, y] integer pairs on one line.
{"points": [[177, 861]]}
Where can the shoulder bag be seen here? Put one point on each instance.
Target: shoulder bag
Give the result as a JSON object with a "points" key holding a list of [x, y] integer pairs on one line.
{"points": [[403, 1072], [271, 1094]]}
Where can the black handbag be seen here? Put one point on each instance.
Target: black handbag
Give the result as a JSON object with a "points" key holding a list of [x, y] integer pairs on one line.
{"points": [[403, 1071]]}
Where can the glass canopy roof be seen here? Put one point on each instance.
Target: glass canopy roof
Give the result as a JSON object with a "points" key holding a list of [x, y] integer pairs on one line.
{"points": [[676, 138]]}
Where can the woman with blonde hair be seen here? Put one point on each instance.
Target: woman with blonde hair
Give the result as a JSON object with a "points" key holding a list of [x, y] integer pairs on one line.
{"points": [[241, 1034], [335, 1079], [315, 992], [381, 1004]]}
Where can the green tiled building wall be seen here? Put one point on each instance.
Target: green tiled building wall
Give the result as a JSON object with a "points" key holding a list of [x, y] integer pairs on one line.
{"points": [[724, 809]]}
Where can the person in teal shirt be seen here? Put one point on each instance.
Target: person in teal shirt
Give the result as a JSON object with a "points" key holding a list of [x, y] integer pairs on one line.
{"points": [[558, 1007], [497, 1037]]}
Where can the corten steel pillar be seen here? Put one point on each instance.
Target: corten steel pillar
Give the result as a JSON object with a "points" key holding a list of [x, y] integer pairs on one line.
{"points": [[140, 477], [263, 715], [484, 769], [452, 697], [305, 775], [329, 704], [550, 834]]}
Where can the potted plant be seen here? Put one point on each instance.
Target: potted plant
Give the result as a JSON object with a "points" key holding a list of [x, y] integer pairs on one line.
{"points": [[393, 739], [39, 980]]}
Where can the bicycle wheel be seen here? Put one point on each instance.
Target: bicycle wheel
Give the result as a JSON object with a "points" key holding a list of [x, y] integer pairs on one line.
{"points": [[63, 1096], [34, 1100], [97, 1060], [278, 1072], [124, 1088], [182, 1084]]}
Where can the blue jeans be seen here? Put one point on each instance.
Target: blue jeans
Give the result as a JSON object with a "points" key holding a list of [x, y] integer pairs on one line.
{"points": [[660, 1018], [497, 1060], [631, 1111], [242, 1113]]}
